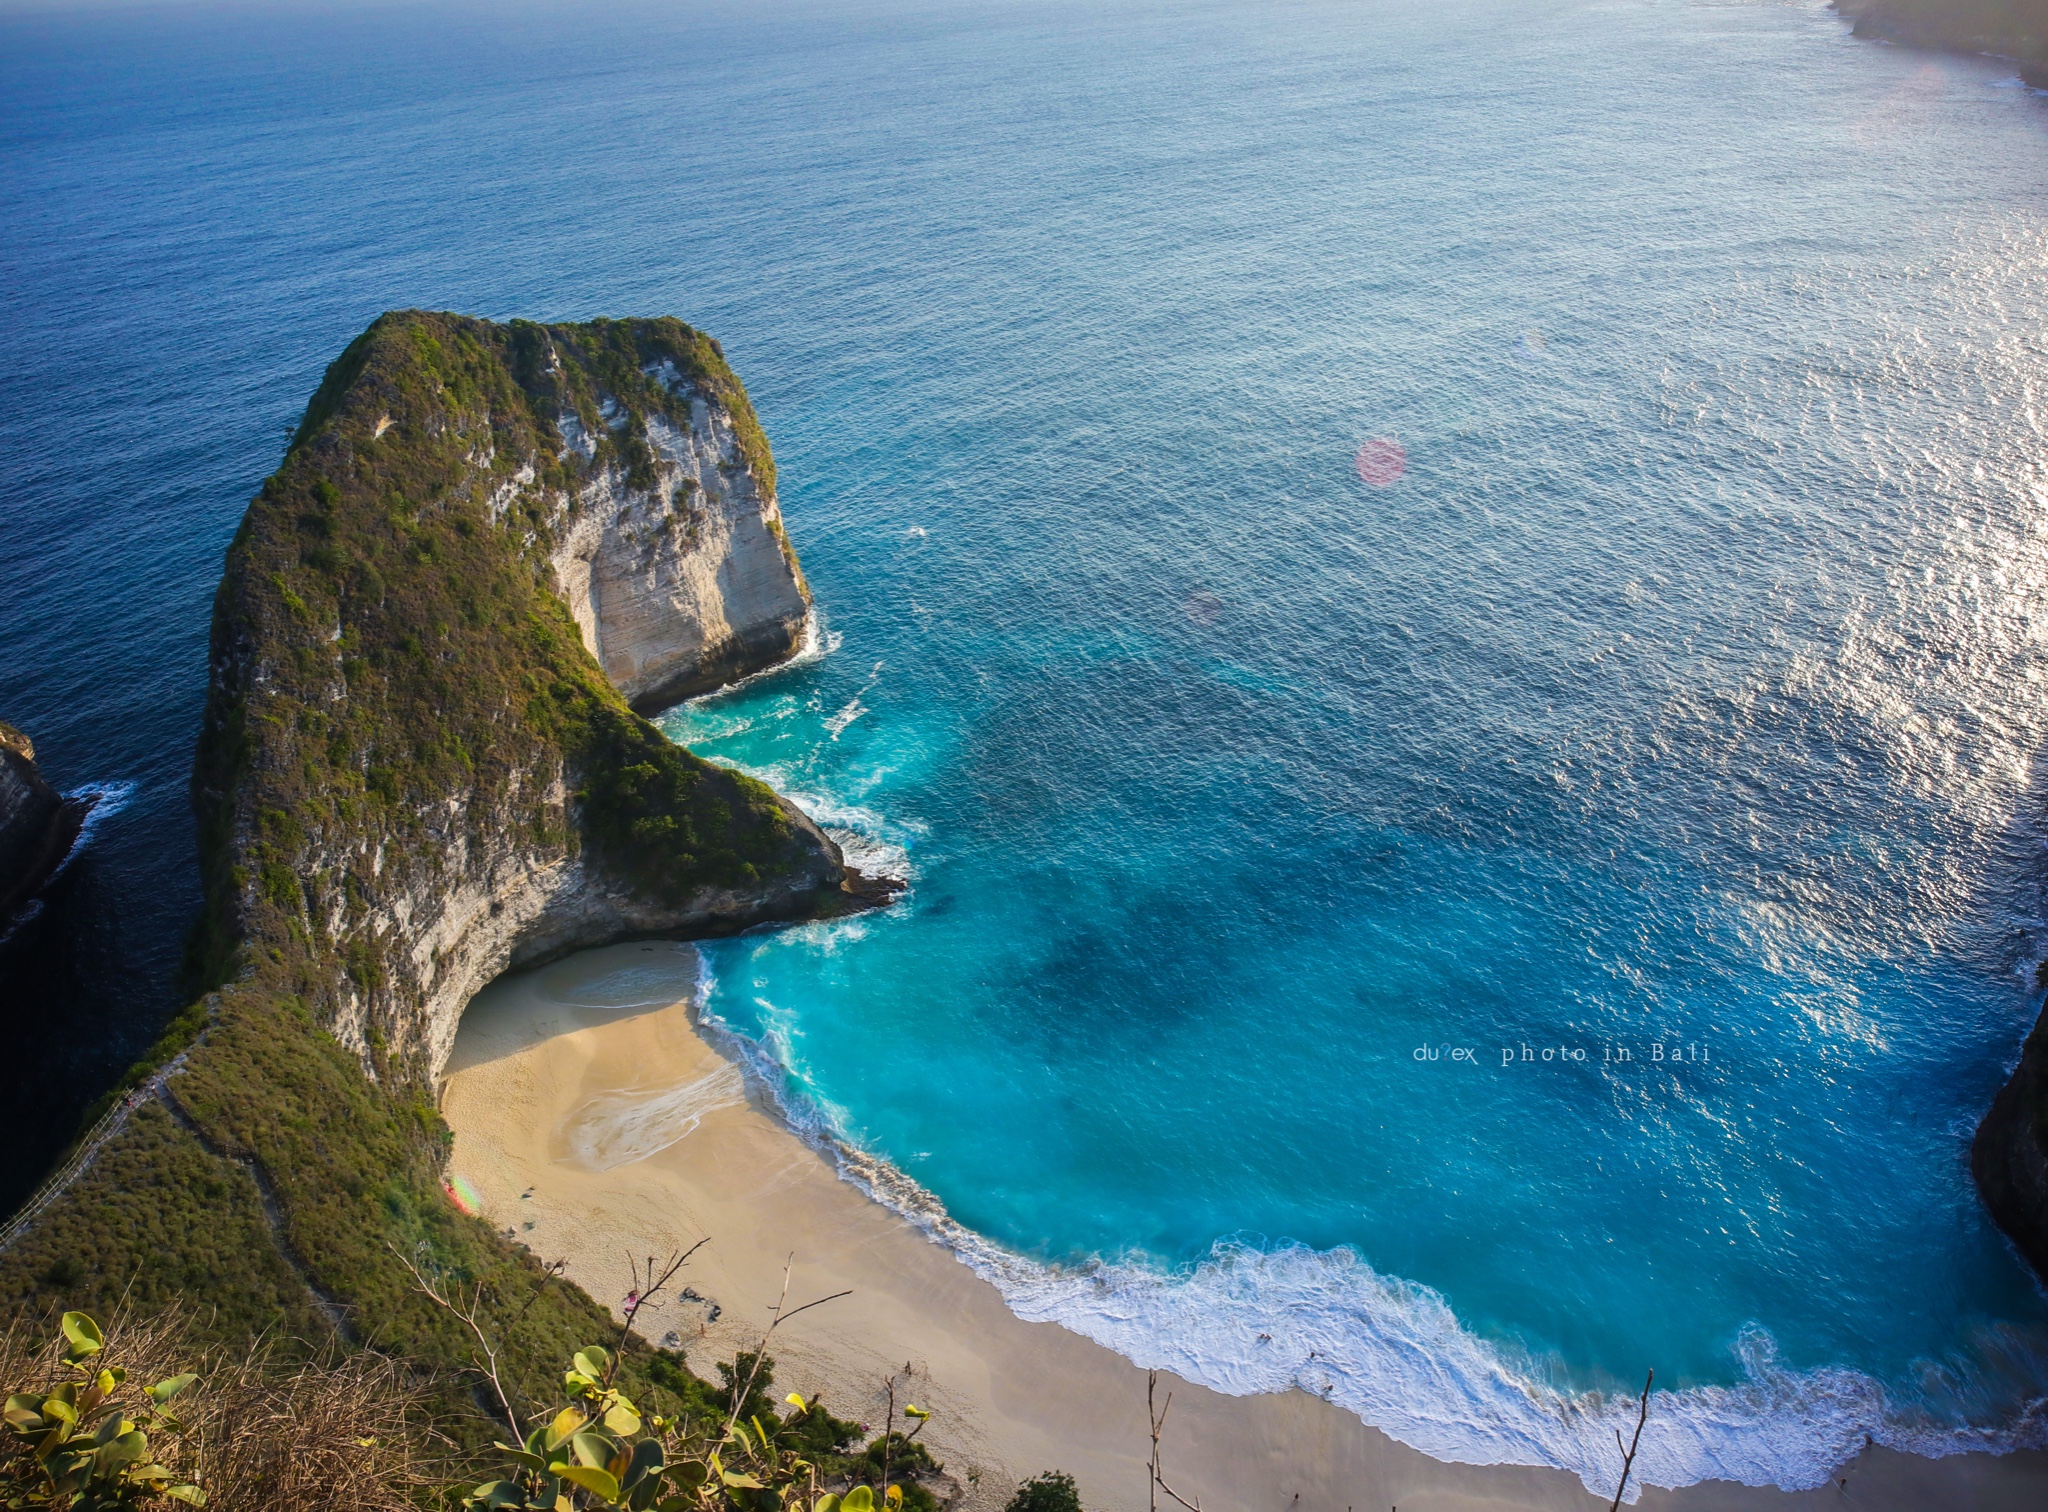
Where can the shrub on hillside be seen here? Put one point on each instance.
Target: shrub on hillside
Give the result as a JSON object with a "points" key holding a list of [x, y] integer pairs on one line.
{"points": [[1053, 1491]]}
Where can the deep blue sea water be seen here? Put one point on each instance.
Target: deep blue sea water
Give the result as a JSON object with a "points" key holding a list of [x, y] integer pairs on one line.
{"points": [[1684, 694]]}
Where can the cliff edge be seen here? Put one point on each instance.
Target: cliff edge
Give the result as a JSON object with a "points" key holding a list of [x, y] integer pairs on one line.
{"points": [[421, 764], [2009, 1156], [36, 825]]}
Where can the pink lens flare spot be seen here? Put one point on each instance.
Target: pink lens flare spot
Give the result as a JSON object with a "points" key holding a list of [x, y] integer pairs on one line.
{"points": [[1203, 607], [1381, 462]]}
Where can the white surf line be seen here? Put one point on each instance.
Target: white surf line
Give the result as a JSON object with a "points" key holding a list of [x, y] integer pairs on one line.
{"points": [[1248, 1322], [816, 643]]}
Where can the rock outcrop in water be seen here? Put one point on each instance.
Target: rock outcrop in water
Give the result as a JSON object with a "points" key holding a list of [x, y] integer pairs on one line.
{"points": [[2009, 1156], [414, 772], [2016, 29], [36, 825]]}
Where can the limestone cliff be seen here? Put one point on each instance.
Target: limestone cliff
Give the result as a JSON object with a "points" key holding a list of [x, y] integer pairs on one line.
{"points": [[36, 825], [413, 773], [2009, 1156], [684, 582]]}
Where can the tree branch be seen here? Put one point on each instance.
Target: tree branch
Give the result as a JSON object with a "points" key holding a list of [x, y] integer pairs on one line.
{"points": [[1628, 1455], [468, 1316]]}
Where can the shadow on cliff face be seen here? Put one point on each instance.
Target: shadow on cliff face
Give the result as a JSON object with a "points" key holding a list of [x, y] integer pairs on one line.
{"points": [[592, 988], [88, 978]]}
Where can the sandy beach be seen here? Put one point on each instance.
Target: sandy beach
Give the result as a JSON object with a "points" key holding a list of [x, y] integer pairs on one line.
{"points": [[594, 1122]]}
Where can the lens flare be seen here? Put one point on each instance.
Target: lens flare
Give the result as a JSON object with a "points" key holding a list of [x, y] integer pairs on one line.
{"points": [[1381, 462]]}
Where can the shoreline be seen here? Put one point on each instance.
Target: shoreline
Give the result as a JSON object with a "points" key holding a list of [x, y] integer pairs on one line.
{"points": [[595, 1119]]}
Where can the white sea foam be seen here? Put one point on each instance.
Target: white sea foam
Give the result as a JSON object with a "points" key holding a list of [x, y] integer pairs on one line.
{"points": [[1247, 1321], [817, 642], [854, 708], [620, 1128], [876, 843], [105, 799]]}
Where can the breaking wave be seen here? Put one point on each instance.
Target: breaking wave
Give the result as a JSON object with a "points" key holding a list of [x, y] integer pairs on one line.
{"points": [[102, 800], [1248, 1320], [817, 642]]}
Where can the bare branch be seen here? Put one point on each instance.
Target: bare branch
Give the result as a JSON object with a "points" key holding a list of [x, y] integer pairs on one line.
{"points": [[1628, 1456], [777, 1317], [820, 1302], [468, 1316], [1158, 1472], [646, 1286], [888, 1433], [551, 1273]]}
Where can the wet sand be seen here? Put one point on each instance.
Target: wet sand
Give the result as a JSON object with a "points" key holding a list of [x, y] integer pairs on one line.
{"points": [[595, 1123]]}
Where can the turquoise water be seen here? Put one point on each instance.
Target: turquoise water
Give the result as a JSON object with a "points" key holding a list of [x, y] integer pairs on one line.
{"points": [[1676, 681]]}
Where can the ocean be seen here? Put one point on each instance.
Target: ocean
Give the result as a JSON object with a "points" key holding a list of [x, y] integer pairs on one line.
{"points": [[1445, 607]]}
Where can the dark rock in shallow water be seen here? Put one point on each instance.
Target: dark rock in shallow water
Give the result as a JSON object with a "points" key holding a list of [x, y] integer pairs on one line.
{"points": [[37, 824], [2009, 1157]]}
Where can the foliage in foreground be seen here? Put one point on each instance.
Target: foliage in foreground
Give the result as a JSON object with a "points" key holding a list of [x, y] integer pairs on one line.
{"points": [[729, 1450], [252, 1433], [84, 1443], [344, 1431]]}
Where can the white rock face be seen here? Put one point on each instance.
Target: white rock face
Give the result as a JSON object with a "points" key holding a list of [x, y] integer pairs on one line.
{"points": [[483, 910], [687, 585]]}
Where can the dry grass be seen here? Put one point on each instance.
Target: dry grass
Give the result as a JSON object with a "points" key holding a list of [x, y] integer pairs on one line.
{"points": [[262, 1433]]}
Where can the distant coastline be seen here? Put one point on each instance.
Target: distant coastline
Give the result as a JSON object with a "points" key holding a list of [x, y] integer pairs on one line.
{"points": [[2013, 29]]}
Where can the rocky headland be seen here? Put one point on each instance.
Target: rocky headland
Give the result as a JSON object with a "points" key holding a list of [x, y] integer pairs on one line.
{"points": [[2016, 29], [37, 824], [487, 550]]}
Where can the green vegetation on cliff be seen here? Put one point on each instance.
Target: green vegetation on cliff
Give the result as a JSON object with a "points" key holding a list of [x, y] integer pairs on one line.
{"points": [[401, 706], [390, 588]]}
